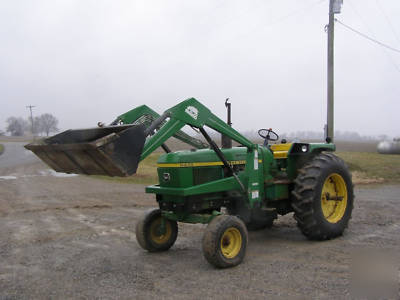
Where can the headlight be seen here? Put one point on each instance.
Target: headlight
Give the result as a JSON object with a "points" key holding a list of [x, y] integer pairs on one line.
{"points": [[304, 148]]}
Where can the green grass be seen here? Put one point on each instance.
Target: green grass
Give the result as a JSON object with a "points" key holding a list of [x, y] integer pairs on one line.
{"points": [[369, 167], [146, 173], [1, 149]]}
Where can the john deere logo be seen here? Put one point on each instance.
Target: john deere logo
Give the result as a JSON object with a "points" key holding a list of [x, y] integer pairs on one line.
{"points": [[166, 177], [192, 111]]}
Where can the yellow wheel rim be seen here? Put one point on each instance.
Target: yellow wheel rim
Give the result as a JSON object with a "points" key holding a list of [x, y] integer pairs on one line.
{"points": [[231, 242], [334, 198], [157, 234]]}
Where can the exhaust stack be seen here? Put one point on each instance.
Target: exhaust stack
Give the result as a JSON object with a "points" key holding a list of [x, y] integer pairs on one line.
{"points": [[226, 142]]}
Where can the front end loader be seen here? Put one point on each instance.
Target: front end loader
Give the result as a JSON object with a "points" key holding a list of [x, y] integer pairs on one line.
{"points": [[233, 190]]}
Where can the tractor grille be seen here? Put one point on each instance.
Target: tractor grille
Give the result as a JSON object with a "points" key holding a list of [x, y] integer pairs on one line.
{"points": [[206, 174]]}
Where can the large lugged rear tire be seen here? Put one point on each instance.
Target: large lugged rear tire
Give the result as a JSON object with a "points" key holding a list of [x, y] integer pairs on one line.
{"points": [[150, 234], [225, 241], [323, 197]]}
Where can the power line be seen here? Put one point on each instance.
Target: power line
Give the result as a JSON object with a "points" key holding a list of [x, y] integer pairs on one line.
{"points": [[272, 23], [388, 20], [278, 20], [370, 31], [367, 37], [296, 12], [281, 19], [361, 17]]}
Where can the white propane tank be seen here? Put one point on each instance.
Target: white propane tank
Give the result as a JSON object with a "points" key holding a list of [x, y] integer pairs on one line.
{"points": [[387, 147]]}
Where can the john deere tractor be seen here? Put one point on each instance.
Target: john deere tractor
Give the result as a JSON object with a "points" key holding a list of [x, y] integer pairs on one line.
{"points": [[232, 189]]}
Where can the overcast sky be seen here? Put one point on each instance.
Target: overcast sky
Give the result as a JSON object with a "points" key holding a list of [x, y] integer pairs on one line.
{"points": [[89, 61]]}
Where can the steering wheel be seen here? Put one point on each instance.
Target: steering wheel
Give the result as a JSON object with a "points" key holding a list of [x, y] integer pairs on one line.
{"points": [[268, 135]]}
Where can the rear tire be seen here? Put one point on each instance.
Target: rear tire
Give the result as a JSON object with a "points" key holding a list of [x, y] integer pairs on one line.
{"points": [[225, 241], [149, 232], [323, 197]]}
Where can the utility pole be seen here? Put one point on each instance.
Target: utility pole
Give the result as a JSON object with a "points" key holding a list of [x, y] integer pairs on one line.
{"points": [[334, 8], [30, 108]]}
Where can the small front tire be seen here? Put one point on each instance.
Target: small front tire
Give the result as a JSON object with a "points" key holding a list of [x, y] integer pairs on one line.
{"points": [[150, 233], [225, 241]]}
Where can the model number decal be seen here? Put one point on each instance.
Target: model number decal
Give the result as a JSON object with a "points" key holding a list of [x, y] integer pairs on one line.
{"points": [[192, 111]]}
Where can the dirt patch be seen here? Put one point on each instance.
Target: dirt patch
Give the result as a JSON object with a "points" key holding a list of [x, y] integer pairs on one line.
{"points": [[362, 178]]}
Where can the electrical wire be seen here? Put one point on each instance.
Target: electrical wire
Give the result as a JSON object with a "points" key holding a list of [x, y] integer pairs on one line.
{"points": [[276, 21], [367, 37], [241, 36], [388, 21], [290, 14], [262, 26], [370, 31]]}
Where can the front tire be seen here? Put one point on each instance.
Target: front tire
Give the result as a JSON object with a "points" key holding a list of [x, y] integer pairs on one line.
{"points": [[225, 241], [152, 235], [323, 197]]}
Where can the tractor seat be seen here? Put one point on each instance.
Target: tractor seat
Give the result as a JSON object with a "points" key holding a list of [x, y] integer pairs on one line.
{"points": [[280, 150]]}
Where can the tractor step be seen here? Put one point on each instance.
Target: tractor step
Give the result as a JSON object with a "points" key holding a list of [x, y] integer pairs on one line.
{"points": [[111, 151]]}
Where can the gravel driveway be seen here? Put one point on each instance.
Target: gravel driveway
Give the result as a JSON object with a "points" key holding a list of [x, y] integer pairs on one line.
{"points": [[73, 238]]}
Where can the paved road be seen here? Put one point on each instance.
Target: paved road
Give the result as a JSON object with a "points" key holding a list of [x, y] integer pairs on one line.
{"points": [[15, 154]]}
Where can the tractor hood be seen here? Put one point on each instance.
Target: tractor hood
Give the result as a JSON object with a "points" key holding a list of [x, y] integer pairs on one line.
{"points": [[203, 157]]}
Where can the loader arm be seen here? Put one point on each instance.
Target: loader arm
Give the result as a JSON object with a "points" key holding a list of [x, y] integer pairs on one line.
{"points": [[189, 112], [192, 112], [116, 150], [144, 115]]}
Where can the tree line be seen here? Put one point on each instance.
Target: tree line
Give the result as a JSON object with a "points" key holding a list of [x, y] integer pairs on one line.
{"points": [[319, 136], [43, 124]]}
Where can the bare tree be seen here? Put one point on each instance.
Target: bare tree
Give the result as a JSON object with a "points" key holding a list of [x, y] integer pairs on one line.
{"points": [[47, 123], [16, 126]]}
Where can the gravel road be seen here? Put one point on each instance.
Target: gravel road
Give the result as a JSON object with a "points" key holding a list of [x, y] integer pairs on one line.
{"points": [[68, 237], [15, 154]]}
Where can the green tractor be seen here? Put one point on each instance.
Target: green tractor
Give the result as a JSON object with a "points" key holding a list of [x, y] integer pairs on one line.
{"points": [[232, 189]]}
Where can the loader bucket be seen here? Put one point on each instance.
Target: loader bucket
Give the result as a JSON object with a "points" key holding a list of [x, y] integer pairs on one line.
{"points": [[112, 151]]}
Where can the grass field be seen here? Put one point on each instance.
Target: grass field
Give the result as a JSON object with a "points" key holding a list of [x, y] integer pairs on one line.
{"points": [[146, 173], [366, 165], [366, 168]]}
